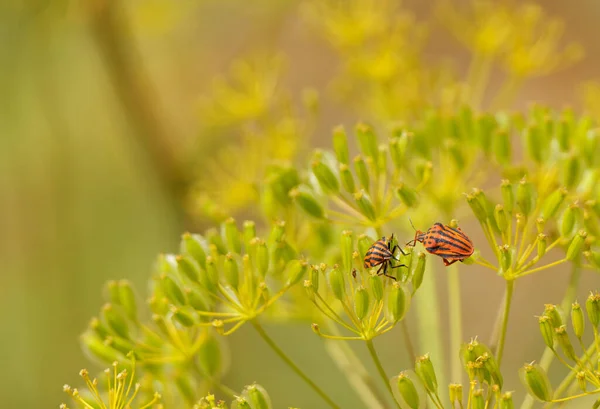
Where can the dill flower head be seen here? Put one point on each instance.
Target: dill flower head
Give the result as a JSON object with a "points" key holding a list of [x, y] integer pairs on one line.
{"points": [[120, 393]]}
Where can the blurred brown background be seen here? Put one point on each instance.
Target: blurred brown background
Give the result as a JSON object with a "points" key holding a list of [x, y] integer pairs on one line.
{"points": [[89, 191]]}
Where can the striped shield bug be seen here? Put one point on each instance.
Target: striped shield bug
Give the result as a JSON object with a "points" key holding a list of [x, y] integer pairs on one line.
{"points": [[450, 243], [381, 254]]}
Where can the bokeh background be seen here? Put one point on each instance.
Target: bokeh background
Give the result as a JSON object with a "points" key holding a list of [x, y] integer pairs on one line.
{"points": [[113, 127]]}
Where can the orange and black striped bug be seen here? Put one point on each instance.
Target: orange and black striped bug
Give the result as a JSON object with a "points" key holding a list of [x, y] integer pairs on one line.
{"points": [[450, 243], [381, 254]]}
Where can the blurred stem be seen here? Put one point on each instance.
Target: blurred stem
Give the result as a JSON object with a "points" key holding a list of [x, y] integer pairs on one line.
{"points": [[407, 340], [478, 76], [454, 301], [381, 371], [291, 364], [507, 303], [548, 355], [345, 358], [428, 320], [135, 91]]}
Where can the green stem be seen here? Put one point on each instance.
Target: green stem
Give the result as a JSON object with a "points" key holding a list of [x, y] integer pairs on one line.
{"points": [[381, 371], [507, 302], [455, 317], [292, 365]]}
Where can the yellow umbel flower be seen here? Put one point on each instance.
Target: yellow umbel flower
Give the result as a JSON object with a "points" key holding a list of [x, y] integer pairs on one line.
{"points": [[121, 391]]}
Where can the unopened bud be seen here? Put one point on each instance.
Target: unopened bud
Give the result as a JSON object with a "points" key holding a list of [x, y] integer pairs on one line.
{"points": [[576, 245], [262, 258], [407, 195], [455, 391], [426, 372], [501, 218], [491, 365], [361, 302], [536, 380], [307, 202], [365, 205], [502, 146], [231, 271], [214, 238], [347, 178], [508, 196], [542, 243], [367, 140], [553, 203], [376, 286], [258, 397], [182, 316], [397, 302], [547, 331], [581, 381], [115, 320], [249, 232], [554, 314], [506, 401], [327, 179], [478, 399], [569, 219], [525, 197], [577, 320], [398, 146], [193, 246], [232, 235], [419, 273], [127, 297], [295, 271], [565, 343], [477, 208], [407, 390], [209, 278], [592, 306], [505, 258], [336, 283], [571, 171], [362, 172], [340, 144], [188, 268], [99, 349]]}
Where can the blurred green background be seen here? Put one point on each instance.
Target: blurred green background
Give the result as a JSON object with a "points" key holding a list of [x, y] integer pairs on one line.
{"points": [[102, 135]]}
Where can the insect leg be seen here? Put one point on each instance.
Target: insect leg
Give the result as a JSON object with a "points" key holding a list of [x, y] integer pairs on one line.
{"points": [[449, 263]]}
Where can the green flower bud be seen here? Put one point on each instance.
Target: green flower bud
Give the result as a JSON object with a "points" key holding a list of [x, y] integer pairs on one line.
{"points": [[577, 320], [241, 403], [542, 243], [565, 343], [540, 223], [361, 302], [347, 178], [535, 143], [478, 399], [314, 277], [336, 282], [506, 402], [98, 328], [196, 299], [295, 271], [592, 306], [593, 257], [502, 146], [490, 365], [398, 147], [508, 196], [249, 232], [563, 133], [258, 397], [576, 245], [501, 218], [183, 317], [571, 171], [424, 171], [346, 247], [547, 331], [569, 217], [407, 390], [277, 233], [188, 268], [536, 380], [477, 208], [231, 271], [98, 349], [365, 204], [551, 311], [485, 127], [396, 302], [426, 372], [115, 321], [232, 235], [112, 290], [382, 159], [590, 146], [553, 202], [367, 140], [525, 197], [455, 392], [127, 297], [419, 273], [311, 289], [158, 305], [215, 239], [262, 258], [376, 286], [407, 195], [327, 179], [192, 245], [581, 381], [184, 386], [122, 345], [505, 258], [362, 172], [340, 144], [307, 202], [209, 356], [209, 278]]}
